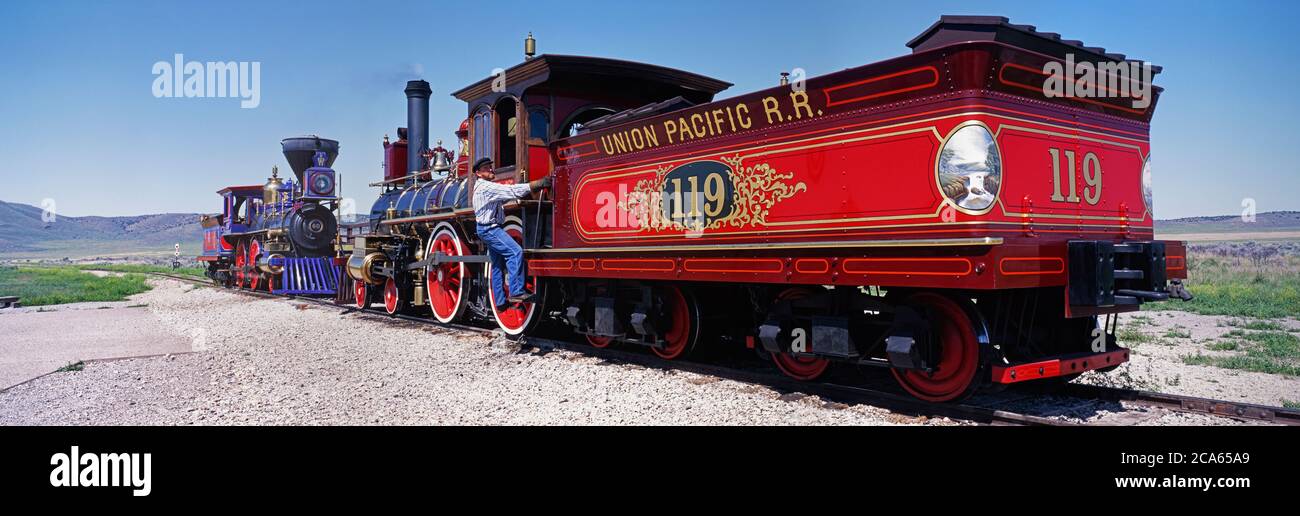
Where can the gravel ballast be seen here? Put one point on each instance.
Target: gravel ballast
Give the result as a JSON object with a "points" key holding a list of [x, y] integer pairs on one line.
{"points": [[262, 361], [280, 362]]}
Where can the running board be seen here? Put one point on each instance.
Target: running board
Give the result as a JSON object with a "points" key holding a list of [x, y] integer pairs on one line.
{"points": [[440, 258]]}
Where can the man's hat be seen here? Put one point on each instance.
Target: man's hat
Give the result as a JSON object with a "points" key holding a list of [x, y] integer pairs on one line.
{"points": [[482, 161]]}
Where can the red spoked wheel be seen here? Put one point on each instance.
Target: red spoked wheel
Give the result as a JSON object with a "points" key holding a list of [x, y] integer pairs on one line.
{"points": [[515, 319], [683, 327], [799, 367], [958, 354], [392, 297], [599, 342], [361, 293], [255, 277], [241, 261], [445, 282]]}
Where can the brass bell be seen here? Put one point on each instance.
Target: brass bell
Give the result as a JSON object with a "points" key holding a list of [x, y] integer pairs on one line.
{"points": [[440, 162]]}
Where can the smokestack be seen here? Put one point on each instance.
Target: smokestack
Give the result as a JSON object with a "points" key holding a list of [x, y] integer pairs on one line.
{"points": [[417, 123], [300, 150]]}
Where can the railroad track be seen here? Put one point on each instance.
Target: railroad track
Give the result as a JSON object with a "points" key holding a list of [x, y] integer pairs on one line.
{"points": [[1191, 404], [849, 394]]}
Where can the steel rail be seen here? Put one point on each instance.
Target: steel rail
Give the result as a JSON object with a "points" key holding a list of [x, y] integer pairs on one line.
{"points": [[1190, 404]]}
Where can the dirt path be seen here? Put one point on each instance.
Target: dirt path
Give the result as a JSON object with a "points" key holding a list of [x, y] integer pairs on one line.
{"points": [[33, 343]]}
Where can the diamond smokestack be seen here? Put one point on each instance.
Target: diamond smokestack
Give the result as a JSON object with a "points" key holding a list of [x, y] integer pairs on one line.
{"points": [[298, 151]]}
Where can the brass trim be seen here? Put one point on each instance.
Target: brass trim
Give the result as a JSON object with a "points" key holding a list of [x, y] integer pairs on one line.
{"points": [[264, 263], [360, 267], [928, 242]]}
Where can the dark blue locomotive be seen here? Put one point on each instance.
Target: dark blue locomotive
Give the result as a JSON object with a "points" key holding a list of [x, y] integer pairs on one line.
{"points": [[281, 236]]}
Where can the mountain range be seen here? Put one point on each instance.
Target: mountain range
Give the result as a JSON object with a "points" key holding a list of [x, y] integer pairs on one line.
{"points": [[24, 233], [1268, 221]]}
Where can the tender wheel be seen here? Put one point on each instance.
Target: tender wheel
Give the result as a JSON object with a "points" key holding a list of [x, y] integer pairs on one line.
{"points": [[958, 362], [515, 319], [361, 293], [683, 316], [445, 283], [805, 368], [599, 342], [393, 301]]}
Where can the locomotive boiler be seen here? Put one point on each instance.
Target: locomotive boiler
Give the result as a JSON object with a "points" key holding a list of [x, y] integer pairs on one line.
{"points": [[403, 250], [280, 236]]}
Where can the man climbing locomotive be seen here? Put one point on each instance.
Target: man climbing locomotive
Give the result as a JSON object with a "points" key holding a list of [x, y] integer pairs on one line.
{"points": [[505, 256]]}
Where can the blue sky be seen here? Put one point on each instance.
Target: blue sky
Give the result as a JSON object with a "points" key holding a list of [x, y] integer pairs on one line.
{"points": [[78, 122]]}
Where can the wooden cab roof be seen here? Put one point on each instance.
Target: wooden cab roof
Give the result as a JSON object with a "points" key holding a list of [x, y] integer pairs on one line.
{"points": [[581, 73], [242, 191]]}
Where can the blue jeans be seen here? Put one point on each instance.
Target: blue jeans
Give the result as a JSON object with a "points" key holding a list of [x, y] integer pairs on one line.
{"points": [[504, 254]]}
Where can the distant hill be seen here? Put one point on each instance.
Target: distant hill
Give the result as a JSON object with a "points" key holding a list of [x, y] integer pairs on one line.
{"points": [[24, 235], [1271, 221]]}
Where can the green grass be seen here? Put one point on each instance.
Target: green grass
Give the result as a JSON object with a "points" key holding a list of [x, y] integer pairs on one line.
{"points": [[40, 286], [1264, 352], [1178, 333], [140, 268], [1223, 345], [1227, 285], [1131, 337], [71, 367], [1256, 325], [1290, 404]]}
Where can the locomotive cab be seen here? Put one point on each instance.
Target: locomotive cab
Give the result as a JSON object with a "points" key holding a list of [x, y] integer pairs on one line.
{"points": [[550, 97]]}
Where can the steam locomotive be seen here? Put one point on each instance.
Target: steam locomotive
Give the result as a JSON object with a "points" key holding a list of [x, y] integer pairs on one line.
{"points": [[938, 215], [279, 236]]}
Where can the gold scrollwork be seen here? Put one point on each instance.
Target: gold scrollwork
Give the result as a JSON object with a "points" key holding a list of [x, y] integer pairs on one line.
{"points": [[755, 190]]}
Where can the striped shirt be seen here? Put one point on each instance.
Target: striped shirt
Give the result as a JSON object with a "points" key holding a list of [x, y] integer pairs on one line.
{"points": [[488, 198]]}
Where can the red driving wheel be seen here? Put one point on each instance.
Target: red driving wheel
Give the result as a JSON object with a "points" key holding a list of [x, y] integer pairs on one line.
{"points": [[514, 318], [241, 260], [445, 281], [255, 277]]}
